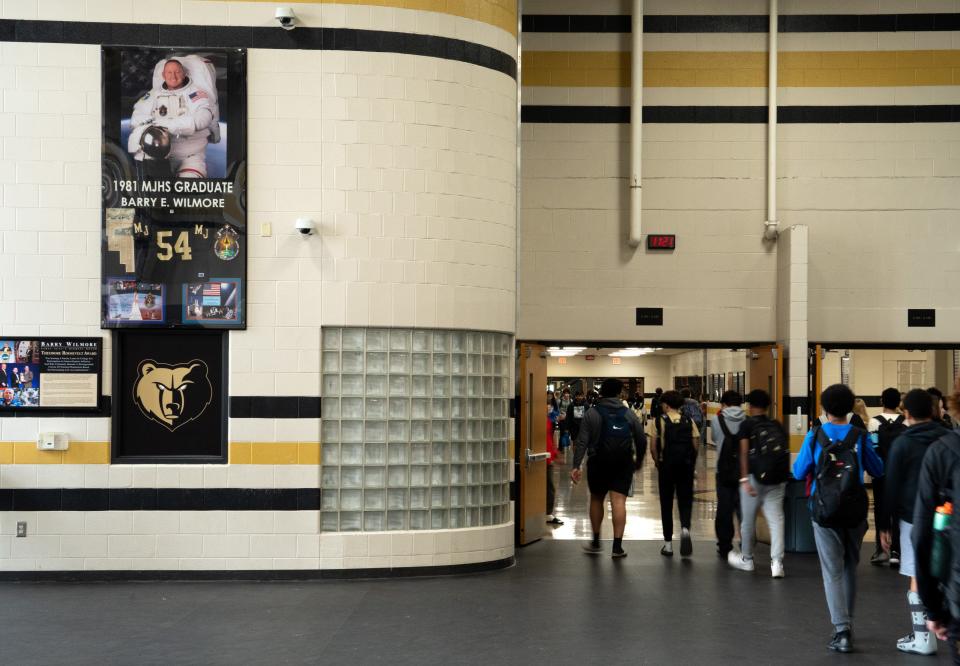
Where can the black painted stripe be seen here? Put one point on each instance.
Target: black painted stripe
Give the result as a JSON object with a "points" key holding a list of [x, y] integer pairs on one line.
{"points": [[935, 113], [274, 407], [653, 23], [198, 36], [254, 574], [160, 499]]}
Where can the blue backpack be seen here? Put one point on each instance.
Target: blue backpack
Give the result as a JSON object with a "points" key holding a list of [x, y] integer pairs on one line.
{"points": [[616, 435]]}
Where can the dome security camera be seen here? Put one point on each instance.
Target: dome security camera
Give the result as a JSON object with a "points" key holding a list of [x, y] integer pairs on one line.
{"points": [[304, 225], [286, 18]]}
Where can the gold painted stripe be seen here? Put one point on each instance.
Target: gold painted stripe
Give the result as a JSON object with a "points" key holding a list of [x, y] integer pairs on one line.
{"points": [[746, 69], [499, 13], [98, 453]]}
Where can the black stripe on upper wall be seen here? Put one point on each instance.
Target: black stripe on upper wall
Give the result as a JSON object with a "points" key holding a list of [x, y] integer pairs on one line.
{"points": [[653, 23], [320, 39], [274, 407], [159, 499], [935, 113]]}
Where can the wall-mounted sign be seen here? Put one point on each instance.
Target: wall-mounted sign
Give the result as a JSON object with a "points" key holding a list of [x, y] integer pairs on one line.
{"points": [[169, 397], [922, 318], [50, 373], [174, 249], [661, 242], [649, 316]]}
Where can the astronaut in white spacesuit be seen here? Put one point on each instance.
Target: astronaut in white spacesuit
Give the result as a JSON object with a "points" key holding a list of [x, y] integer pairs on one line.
{"points": [[178, 117]]}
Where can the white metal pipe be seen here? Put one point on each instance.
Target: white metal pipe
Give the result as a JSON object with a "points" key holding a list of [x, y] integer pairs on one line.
{"points": [[636, 123], [771, 226]]}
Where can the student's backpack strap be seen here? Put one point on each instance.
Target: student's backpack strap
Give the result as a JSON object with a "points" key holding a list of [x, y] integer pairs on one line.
{"points": [[723, 424]]}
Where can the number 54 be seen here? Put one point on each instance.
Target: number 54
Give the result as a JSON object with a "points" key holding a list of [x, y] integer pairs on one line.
{"points": [[181, 246]]}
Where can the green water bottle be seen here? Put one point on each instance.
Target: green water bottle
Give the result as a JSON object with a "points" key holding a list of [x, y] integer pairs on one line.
{"points": [[941, 554]]}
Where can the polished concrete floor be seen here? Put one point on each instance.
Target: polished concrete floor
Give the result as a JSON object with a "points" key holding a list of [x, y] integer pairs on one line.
{"points": [[643, 509], [556, 606]]}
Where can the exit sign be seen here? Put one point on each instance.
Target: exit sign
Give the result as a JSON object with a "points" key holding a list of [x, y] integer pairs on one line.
{"points": [[661, 242]]}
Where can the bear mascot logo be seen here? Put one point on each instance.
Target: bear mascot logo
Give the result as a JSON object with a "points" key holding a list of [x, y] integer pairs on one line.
{"points": [[172, 395]]}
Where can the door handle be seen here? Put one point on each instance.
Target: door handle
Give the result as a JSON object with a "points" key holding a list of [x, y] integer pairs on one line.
{"points": [[536, 457]]}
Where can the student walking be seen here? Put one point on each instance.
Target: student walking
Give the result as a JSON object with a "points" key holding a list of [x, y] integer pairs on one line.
{"points": [[884, 428], [675, 455], [836, 454], [902, 478], [764, 468], [939, 484], [616, 443], [724, 426]]}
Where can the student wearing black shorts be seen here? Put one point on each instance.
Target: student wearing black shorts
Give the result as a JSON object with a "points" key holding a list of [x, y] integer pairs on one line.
{"points": [[612, 438]]}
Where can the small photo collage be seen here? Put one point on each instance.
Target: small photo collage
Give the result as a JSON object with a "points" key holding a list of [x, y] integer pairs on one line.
{"points": [[19, 373], [215, 301], [133, 301]]}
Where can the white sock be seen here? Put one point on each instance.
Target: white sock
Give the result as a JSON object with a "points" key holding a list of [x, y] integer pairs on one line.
{"points": [[684, 532], [668, 546]]}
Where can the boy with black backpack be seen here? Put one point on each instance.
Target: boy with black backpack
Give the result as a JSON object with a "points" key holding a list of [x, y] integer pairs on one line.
{"points": [[675, 455], [614, 438], [884, 428], [836, 454], [764, 468], [725, 425]]}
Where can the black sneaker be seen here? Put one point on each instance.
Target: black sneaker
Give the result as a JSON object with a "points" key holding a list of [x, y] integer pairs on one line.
{"points": [[842, 642], [895, 560], [618, 553], [665, 552], [879, 557], [591, 548]]}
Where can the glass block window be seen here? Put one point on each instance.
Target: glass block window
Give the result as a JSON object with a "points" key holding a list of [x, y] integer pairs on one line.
{"points": [[415, 429]]}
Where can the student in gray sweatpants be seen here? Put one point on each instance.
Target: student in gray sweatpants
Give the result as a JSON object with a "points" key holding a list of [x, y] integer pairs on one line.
{"points": [[838, 547], [754, 495]]}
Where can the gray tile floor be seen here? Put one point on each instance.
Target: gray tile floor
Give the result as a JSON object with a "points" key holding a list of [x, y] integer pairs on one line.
{"points": [[556, 606]]}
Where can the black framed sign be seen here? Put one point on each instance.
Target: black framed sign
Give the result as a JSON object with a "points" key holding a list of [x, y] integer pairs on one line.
{"points": [[44, 373], [170, 396], [174, 159]]}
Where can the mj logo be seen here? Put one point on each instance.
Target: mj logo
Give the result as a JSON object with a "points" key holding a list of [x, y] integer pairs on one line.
{"points": [[172, 395]]}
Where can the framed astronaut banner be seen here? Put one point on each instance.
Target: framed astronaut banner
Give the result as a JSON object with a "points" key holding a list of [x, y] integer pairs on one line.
{"points": [[174, 160], [169, 397], [63, 374]]}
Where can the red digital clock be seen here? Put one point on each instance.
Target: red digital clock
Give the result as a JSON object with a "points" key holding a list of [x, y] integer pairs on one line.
{"points": [[661, 242]]}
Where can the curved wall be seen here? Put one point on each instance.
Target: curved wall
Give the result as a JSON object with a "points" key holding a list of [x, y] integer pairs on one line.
{"points": [[407, 164]]}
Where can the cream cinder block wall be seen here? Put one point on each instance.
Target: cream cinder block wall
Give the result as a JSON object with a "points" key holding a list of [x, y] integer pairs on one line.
{"points": [[655, 370], [879, 200], [702, 183], [407, 164]]}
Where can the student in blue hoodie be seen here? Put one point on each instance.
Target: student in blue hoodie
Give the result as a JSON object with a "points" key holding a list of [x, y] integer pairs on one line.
{"points": [[838, 548]]}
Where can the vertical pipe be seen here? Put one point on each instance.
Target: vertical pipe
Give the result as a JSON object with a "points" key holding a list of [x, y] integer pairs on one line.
{"points": [[770, 227], [636, 122]]}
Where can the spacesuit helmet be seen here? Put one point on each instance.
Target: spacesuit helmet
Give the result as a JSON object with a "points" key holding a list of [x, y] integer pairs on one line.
{"points": [[155, 142]]}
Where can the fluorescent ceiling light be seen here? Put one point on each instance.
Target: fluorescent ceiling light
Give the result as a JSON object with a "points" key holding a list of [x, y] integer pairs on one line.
{"points": [[635, 351], [565, 351]]}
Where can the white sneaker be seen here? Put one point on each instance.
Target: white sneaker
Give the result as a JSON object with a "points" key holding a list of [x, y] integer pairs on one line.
{"points": [[776, 569], [738, 561]]}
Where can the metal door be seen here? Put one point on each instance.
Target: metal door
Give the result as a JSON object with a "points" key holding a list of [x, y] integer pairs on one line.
{"points": [[766, 372]]}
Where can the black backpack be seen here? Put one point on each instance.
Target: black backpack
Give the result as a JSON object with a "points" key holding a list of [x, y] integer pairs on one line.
{"points": [[677, 440], [616, 435], [839, 500], [769, 453], [887, 431], [728, 465]]}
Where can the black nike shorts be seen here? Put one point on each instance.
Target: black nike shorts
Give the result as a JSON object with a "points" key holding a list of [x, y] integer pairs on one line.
{"points": [[606, 473]]}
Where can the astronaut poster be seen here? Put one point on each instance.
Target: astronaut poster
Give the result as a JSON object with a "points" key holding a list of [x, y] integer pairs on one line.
{"points": [[174, 159]]}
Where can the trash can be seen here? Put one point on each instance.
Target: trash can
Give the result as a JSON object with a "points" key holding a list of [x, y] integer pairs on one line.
{"points": [[799, 525]]}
